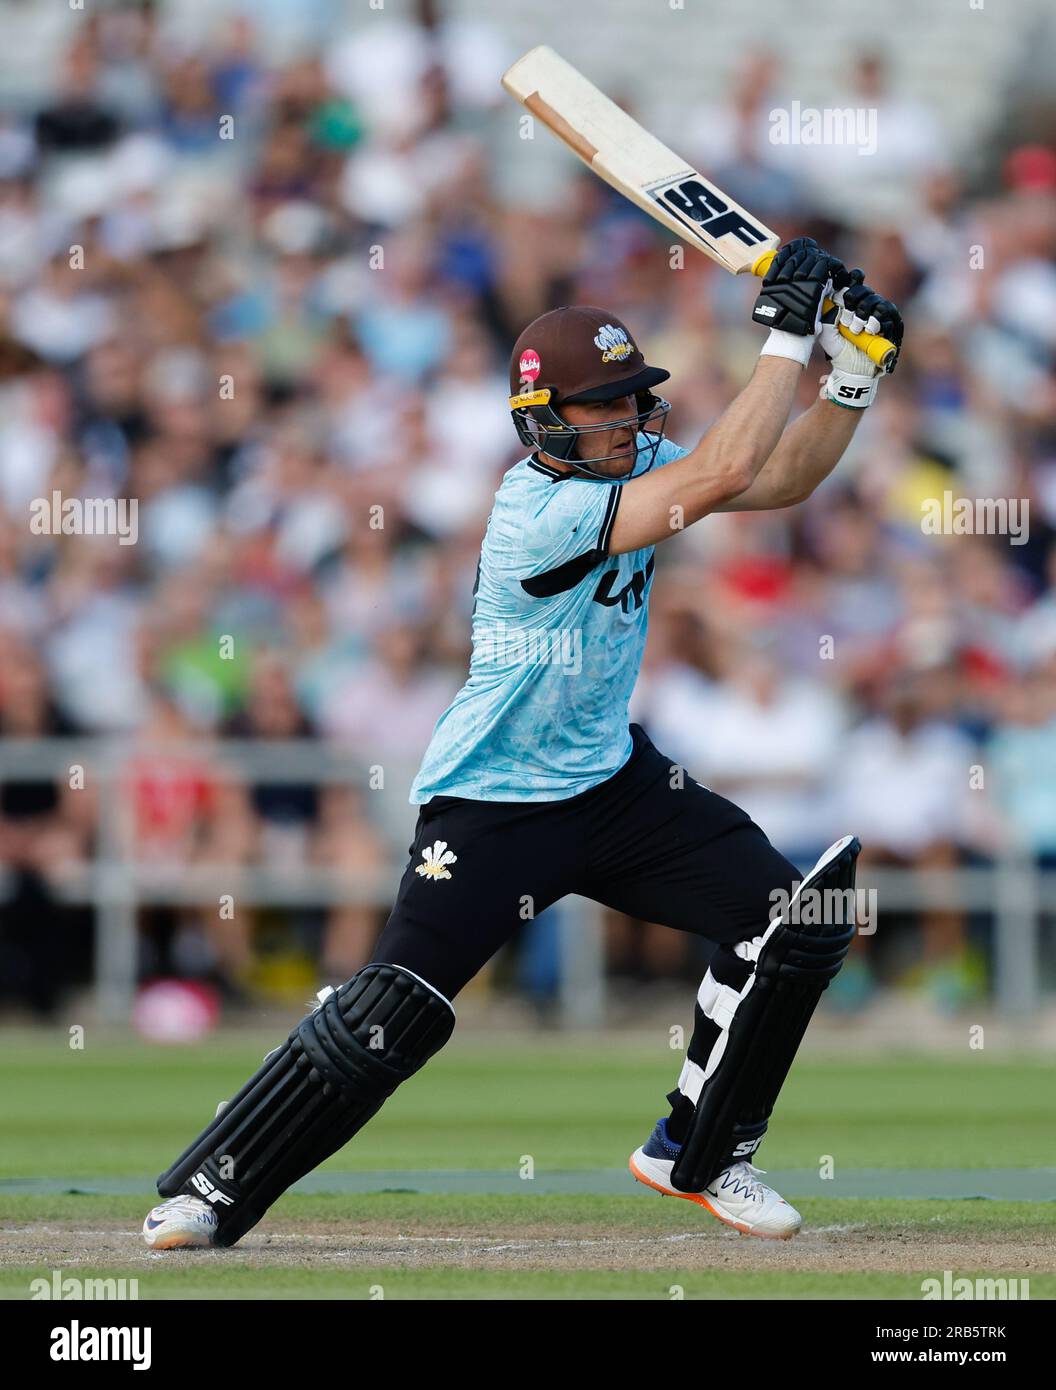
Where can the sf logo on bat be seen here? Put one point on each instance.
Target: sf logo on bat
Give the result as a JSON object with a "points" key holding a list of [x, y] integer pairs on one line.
{"points": [[702, 211]]}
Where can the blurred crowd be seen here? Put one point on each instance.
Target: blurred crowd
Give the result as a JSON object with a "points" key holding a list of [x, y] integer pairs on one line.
{"points": [[272, 298]]}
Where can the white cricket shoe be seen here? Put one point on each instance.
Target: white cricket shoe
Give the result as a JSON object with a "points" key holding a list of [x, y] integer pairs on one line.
{"points": [[736, 1196], [180, 1221]]}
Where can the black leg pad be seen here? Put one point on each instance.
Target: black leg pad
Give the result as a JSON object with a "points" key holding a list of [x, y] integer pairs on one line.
{"points": [[762, 1020], [312, 1094]]}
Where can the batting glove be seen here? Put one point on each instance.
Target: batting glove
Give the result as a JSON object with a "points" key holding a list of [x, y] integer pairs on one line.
{"points": [[853, 377], [791, 298]]}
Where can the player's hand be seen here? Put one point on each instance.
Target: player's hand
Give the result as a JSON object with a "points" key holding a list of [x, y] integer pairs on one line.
{"points": [[862, 310], [795, 287]]}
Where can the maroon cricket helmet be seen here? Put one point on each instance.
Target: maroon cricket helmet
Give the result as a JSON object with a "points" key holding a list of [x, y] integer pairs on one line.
{"points": [[576, 354], [580, 353]]}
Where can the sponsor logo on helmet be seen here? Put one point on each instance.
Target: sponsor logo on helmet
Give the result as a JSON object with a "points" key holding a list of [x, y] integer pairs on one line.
{"points": [[614, 343], [530, 364]]}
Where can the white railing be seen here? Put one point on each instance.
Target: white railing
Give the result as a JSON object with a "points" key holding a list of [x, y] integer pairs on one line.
{"points": [[1012, 889]]}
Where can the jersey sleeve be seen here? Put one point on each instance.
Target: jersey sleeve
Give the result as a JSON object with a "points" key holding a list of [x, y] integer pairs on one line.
{"points": [[567, 536], [569, 531]]}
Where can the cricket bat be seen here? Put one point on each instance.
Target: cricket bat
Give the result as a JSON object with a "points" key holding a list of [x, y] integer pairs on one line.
{"points": [[642, 168]]}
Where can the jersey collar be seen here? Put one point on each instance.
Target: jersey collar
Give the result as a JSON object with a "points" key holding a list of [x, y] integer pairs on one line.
{"points": [[554, 474]]}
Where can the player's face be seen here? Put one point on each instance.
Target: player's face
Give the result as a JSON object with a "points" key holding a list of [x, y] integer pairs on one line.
{"points": [[617, 445]]}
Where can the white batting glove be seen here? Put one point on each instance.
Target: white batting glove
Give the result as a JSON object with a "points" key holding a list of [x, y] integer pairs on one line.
{"points": [[853, 376]]}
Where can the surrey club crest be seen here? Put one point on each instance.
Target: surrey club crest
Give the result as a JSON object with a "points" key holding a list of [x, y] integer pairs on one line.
{"points": [[435, 860], [614, 343]]}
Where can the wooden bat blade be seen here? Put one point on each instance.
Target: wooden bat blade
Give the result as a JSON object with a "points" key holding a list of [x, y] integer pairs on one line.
{"points": [[635, 163], [643, 169]]}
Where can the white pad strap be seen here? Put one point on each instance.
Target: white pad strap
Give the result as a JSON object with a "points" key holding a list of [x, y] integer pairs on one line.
{"points": [[721, 1002], [718, 1002]]}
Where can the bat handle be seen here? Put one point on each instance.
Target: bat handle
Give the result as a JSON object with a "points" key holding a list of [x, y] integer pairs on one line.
{"points": [[877, 349]]}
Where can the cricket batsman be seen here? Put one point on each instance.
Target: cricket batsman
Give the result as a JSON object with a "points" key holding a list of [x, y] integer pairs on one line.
{"points": [[534, 786]]}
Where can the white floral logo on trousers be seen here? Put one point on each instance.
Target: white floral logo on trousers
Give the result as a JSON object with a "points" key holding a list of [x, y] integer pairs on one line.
{"points": [[435, 861]]}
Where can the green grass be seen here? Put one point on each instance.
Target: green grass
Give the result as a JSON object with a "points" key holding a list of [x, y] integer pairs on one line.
{"points": [[496, 1215], [463, 1284], [119, 1109]]}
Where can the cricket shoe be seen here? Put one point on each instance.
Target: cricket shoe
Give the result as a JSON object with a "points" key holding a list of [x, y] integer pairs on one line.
{"points": [[735, 1196], [180, 1221]]}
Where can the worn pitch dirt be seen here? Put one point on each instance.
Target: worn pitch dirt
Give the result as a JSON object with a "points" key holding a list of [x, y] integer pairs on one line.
{"points": [[836, 1249]]}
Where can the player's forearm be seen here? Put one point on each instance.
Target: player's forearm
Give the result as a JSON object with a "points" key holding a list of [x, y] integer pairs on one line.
{"points": [[734, 451], [808, 451], [724, 463]]}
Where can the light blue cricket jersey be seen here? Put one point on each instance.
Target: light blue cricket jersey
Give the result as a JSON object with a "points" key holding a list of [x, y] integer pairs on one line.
{"points": [[558, 634]]}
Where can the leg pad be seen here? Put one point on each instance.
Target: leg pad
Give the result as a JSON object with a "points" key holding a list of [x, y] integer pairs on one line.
{"points": [[759, 997], [312, 1094]]}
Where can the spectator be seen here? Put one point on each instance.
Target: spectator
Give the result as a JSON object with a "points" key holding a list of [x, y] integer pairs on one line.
{"points": [[289, 348]]}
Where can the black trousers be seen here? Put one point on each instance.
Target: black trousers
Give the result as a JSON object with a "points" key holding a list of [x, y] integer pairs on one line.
{"points": [[650, 842]]}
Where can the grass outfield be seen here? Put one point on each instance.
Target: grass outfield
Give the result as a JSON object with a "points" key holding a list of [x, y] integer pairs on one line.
{"points": [[121, 1111], [121, 1108]]}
